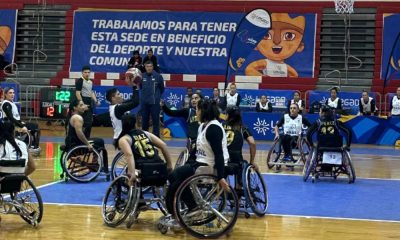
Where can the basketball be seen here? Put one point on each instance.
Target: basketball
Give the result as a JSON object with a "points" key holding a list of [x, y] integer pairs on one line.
{"points": [[133, 75]]}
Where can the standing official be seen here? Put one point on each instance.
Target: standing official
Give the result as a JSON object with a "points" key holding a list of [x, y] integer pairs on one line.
{"points": [[152, 88], [84, 92]]}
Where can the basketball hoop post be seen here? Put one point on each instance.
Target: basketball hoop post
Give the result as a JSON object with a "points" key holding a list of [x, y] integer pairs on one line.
{"points": [[346, 8]]}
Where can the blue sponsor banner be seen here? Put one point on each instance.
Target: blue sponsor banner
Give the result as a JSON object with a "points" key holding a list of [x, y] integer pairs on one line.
{"points": [[278, 98], [183, 42], [8, 25], [173, 97], [365, 130], [350, 100], [390, 47]]}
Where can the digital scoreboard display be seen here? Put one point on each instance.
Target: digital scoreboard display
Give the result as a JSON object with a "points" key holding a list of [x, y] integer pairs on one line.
{"points": [[54, 102]]}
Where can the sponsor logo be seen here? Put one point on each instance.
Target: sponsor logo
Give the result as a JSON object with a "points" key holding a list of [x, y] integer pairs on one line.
{"points": [[261, 126], [99, 96], [173, 99], [259, 18]]}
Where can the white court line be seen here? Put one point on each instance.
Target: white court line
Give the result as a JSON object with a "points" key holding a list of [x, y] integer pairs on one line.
{"points": [[297, 175], [275, 215], [335, 218], [49, 184], [72, 204]]}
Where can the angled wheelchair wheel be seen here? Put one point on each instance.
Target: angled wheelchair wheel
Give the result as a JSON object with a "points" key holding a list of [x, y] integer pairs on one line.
{"points": [[28, 202], [63, 153], [183, 157], [216, 210], [274, 154], [82, 165], [309, 165], [305, 149], [118, 166], [255, 190], [117, 203], [349, 167]]}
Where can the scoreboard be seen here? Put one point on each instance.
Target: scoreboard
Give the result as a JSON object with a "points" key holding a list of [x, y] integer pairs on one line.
{"points": [[54, 102]]}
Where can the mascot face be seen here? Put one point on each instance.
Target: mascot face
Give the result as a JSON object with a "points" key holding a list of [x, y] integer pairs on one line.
{"points": [[284, 38]]}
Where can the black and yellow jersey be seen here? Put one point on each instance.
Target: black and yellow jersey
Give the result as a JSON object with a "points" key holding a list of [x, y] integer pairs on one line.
{"points": [[142, 147], [235, 139]]}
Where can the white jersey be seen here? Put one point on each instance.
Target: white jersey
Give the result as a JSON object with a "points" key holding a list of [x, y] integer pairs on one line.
{"points": [[366, 106], [263, 107], [116, 123], [275, 69], [14, 110], [299, 103], [395, 106], [334, 103], [204, 153], [291, 126], [7, 152], [231, 100]]}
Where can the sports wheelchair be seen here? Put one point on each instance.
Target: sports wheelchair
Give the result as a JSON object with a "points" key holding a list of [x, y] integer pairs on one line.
{"points": [[119, 166], [27, 138], [329, 162], [122, 201], [18, 195], [253, 193], [300, 150], [80, 164]]}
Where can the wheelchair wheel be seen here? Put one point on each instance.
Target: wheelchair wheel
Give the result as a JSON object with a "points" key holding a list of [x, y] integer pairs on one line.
{"points": [[62, 174], [349, 167], [117, 203], [274, 154], [30, 204], [118, 166], [216, 212], [255, 190], [305, 149], [82, 165], [183, 157], [309, 165]]}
